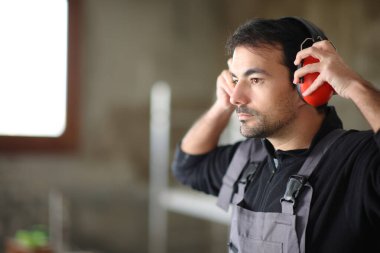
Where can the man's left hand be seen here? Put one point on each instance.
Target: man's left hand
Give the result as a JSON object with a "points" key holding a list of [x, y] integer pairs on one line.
{"points": [[331, 69]]}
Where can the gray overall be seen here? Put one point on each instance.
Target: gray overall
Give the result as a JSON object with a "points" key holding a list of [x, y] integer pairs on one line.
{"points": [[264, 232]]}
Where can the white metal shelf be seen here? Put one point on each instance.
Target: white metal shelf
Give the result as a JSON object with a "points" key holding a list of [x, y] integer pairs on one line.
{"points": [[162, 197], [194, 204]]}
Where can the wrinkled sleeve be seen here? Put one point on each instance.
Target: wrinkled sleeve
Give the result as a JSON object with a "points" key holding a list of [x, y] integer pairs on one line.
{"points": [[369, 164], [203, 172]]}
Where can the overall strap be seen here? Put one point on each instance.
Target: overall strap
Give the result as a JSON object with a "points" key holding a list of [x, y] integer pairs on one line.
{"points": [[249, 148], [298, 181], [319, 150]]}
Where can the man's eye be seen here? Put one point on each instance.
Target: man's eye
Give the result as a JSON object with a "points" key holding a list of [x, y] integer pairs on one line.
{"points": [[235, 81], [256, 80]]}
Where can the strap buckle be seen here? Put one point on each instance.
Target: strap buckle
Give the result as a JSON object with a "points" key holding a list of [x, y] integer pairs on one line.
{"points": [[232, 247], [293, 187], [248, 173]]}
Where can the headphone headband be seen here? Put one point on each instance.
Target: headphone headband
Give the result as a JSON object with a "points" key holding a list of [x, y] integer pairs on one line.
{"points": [[315, 33]]}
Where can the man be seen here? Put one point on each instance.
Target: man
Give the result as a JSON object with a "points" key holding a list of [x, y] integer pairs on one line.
{"points": [[336, 206]]}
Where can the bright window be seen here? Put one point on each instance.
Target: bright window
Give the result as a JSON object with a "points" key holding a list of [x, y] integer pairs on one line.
{"points": [[33, 67]]}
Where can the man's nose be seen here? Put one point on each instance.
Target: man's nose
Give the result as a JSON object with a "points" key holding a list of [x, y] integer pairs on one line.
{"points": [[240, 94]]}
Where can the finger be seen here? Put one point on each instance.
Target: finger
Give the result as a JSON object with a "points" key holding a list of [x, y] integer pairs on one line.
{"points": [[314, 86], [316, 51], [226, 81], [325, 45], [302, 55], [229, 63], [312, 51], [307, 69], [228, 77], [227, 89]]}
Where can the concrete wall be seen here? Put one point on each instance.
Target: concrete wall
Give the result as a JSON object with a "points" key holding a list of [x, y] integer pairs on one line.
{"points": [[126, 46]]}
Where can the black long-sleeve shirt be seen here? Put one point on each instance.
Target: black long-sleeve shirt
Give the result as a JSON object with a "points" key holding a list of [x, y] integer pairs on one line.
{"points": [[345, 208]]}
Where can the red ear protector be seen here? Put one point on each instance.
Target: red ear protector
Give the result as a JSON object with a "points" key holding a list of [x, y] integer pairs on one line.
{"points": [[320, 96], [323, 94]]}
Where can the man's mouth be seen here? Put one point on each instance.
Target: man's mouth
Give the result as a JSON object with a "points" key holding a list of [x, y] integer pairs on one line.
{"points": [[244, 116], [244, 113]]}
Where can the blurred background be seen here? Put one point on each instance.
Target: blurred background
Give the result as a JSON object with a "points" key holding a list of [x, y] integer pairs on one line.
{"points": [[96, 192]]}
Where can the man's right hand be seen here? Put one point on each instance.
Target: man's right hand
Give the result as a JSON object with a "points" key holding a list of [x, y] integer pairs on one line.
{"points": [[204, 135]]}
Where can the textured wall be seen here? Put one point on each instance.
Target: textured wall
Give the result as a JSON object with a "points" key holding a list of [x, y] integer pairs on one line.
{"points": [[126, 47]]}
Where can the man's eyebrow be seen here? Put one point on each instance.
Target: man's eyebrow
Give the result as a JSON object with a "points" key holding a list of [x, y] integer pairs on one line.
{"points": [[256, 70], [253, 71]]}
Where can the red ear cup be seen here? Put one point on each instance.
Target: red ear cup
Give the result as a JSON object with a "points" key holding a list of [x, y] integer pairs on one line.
{"points": [[322, 95]]}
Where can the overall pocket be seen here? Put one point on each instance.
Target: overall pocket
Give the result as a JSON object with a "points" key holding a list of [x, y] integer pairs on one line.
{"points": [[264, 232], [257, 246]]}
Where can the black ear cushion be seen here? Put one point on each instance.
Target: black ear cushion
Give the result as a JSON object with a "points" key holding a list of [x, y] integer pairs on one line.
{"points": [[298, 67], [299, 85]]}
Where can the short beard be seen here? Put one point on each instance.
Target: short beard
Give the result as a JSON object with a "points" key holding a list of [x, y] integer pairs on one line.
{"points": [[263, 128]]}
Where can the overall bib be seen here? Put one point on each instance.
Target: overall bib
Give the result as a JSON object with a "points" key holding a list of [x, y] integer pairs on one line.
{"points": [[266, 232]]}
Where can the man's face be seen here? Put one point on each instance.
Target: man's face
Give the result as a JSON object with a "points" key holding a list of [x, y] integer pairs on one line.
{"points": [[266, 103]]}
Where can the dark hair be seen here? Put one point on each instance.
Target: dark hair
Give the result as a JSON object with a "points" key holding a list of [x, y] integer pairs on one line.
{"points": [[288, 33]]}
